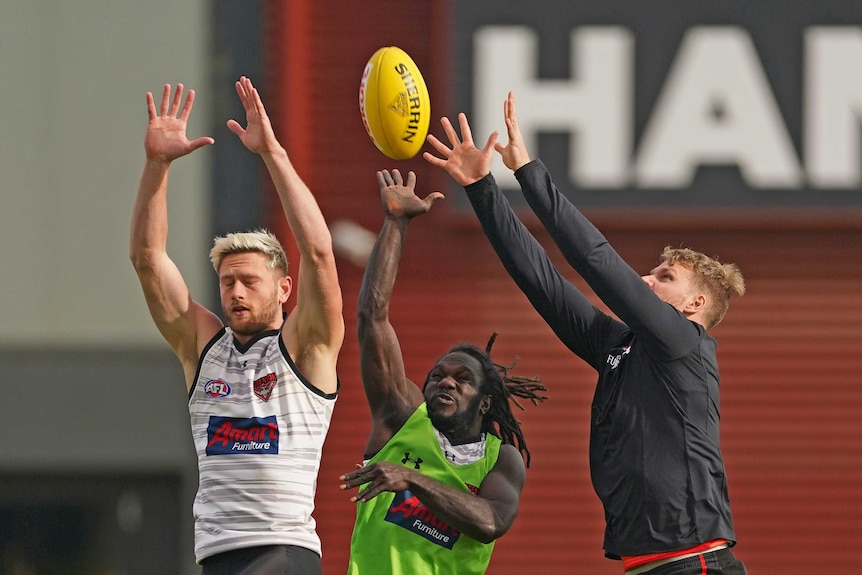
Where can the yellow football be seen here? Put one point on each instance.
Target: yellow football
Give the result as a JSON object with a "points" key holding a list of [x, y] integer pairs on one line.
{"points": [[394, 103]]}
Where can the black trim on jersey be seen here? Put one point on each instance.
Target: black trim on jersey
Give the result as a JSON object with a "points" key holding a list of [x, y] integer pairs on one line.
{"points": [[204, 352], [242, 348], [310, 386]]}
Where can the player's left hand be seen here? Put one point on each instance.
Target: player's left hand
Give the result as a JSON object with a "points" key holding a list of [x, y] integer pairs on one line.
{"points": [[258, 135]]}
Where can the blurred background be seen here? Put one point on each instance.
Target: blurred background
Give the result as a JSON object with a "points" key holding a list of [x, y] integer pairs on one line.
{"points": [[730, 127]]}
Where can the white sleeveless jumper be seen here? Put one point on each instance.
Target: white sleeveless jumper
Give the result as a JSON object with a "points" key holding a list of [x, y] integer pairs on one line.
{"points": [[258, 427]]}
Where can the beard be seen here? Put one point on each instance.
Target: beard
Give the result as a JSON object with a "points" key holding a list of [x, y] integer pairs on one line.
{"points": [[257, 321], [458, 421]]}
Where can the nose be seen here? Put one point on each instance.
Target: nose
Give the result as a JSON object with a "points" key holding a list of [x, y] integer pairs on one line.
{"points": [[236, 291], [447, 382], [648, 280]]}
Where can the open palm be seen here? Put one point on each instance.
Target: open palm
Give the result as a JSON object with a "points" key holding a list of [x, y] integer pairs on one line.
{"points": [[399, 197], [166, 132], [258, 135]]}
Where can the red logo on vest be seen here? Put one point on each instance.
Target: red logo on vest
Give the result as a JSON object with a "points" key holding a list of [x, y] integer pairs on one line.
{"points": [[263, 387]]}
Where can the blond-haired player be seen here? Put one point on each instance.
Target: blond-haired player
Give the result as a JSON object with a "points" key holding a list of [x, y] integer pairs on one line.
{"points": [[262, 387]]}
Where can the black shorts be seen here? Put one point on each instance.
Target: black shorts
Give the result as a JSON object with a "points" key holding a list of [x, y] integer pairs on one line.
{"points": [[265, 560], [721, 562]]}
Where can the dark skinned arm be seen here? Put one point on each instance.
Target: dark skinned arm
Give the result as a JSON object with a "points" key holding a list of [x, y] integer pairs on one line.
{"points": [[392, 397], [483, 517]]}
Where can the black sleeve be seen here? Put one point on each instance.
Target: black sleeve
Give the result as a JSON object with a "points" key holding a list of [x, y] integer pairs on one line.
{"points": [[581, 326], [661, 326]]}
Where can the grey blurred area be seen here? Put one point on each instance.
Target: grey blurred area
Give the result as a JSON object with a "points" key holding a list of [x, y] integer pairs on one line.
{"points": [[97, 466]]}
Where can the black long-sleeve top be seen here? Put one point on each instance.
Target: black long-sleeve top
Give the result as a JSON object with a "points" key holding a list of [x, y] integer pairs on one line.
{"points": [[655, 460]]}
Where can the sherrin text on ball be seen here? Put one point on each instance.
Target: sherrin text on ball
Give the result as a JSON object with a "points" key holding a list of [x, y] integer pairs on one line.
{"points": [[394, 103]]}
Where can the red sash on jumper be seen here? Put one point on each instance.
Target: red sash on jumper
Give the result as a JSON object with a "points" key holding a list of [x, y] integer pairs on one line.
{"points": [[633, 561]]}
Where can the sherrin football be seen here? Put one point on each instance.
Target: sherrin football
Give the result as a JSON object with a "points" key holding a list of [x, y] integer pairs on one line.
{"points": [[393, 101]]}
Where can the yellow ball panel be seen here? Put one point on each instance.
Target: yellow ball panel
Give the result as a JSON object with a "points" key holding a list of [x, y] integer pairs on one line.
{"points": [[394, 103]]}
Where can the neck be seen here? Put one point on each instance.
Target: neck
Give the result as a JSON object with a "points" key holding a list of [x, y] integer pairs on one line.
{"points": [[462, 439]]}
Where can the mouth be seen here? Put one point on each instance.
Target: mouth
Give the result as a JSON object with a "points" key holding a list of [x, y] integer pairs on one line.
{"points": [[444, 398]]}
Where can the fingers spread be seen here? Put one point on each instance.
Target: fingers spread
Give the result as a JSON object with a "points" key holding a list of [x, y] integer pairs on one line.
{"points": [[445, 150], [492, 139], [187, 108], [450, 131], [234, 127], [166, 98], [151, 106], [433, 197], [466, 134], [175, 103]]}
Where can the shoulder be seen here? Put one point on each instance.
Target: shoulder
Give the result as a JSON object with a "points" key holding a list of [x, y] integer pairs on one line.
{"points": [[510, 464]]}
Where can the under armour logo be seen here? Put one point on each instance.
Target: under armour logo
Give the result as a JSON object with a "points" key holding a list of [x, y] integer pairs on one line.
{"points": [[416, 462]]}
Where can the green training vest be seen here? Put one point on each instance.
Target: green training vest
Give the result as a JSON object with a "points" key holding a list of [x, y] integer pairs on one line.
{"points": [[395, 534]]}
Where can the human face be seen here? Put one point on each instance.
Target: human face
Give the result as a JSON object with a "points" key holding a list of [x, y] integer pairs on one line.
{"points": [[455, 404], [251, 293], [673, 284]]}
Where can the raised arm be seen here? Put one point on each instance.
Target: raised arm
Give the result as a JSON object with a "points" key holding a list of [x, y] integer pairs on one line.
{"points": [[566, 310], [184, 323], [314, 331], [484, 517], [590, 254], [392, 398]]}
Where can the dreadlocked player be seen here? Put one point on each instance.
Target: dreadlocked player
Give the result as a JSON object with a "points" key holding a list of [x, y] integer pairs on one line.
{"points": [[444, 466]]}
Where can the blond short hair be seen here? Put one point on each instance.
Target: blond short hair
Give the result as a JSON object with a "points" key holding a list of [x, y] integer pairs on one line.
{"points": [[718, 280], [260, 240]]}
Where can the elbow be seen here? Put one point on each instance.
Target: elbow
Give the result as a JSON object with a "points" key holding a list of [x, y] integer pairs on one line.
{"points": [[372, 309], [141, 261], [320, 253], [146, 261], [488, 534], [368, 319], [490, 530], [363, 321]]}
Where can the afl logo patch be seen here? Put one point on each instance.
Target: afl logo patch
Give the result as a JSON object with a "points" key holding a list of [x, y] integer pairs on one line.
{"points": [[217, 388]]}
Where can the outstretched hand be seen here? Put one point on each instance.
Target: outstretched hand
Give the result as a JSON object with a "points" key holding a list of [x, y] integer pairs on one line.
{"points": [[258, 135], [400, 199], [463, 161], [166, 138], [383, 476], [514, 154]]}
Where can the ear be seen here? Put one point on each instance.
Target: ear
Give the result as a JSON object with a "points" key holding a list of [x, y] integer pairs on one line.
{"points": [[285, 286], [697, 304], [485, 405]]}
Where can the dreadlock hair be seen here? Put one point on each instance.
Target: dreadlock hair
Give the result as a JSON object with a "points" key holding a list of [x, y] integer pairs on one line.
{"points": [[502, 387]]}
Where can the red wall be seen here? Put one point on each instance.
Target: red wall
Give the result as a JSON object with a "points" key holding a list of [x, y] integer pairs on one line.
{"points": [[789, 350]]}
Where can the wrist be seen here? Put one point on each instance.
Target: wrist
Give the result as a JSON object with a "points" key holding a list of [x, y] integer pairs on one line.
{"points": [[275, 151], [476, 182], [158, 159], [157, 163]]}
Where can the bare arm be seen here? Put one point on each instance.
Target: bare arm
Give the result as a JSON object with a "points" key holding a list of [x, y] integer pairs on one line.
{"points": [[314, 331], [484, 517], [391, 396], [184, 323]]}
